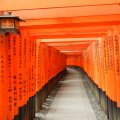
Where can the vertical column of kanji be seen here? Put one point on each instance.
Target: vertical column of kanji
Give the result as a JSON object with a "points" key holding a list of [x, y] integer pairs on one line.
{"points": [[106, 64], [52, 62], [96, 62], [37, 66], [118, 81], [92, 61], [102, 63], [15, 72], [46, 63], [86, 66], [33, 80], [57, 63], [85, 58], [53, 59], [2, 66], [89, 62], [33, 68], [116, 39], [9, 72], [84, 54], [59, 66], [108, 82], [27, 65], [49, 64], [24, 68], [3, 80], [112, 77], [30, 68], [30, 79], [41, 59], [56, 59], [42, 63], [86, 62], [20, 75]]}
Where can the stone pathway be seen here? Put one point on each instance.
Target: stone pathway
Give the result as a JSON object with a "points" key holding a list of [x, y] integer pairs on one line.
{"points": [[70, 101]]}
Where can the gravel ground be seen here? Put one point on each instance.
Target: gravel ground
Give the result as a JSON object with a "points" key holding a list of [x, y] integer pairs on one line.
{"points": [[100, 115]]}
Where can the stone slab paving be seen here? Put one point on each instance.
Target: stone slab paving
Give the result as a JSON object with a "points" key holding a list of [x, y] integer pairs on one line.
{"points": [[71, 101]]}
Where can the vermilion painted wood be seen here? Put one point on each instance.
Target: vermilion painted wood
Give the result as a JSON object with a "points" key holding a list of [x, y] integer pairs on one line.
{"points": [[117, 62], [67, 36], [9, 76], [3, 80]]}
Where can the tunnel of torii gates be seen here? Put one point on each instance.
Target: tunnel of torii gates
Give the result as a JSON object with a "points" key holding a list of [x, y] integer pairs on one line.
{"points": [[54, 35]]}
